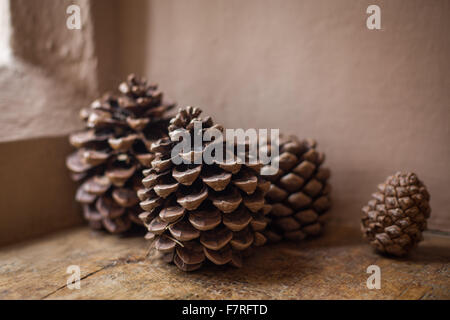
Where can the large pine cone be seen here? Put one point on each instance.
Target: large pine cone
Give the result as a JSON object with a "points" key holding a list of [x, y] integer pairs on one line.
{"points": [[112, 151], [195, 212], [395, 218], [299, 193]]}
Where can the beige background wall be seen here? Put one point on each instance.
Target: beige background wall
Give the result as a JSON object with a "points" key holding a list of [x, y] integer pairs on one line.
{"points": [[377, 101]]}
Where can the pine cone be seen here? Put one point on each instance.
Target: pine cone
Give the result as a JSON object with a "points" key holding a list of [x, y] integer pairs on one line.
{"points": [[112, 151], [198, 211], [299, 193], [394, 219]]}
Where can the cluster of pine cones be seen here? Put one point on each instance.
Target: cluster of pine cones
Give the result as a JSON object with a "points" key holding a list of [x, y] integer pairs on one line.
{"points": [[217, 212]]}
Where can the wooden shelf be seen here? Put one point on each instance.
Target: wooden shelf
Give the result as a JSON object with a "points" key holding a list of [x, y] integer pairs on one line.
{"points": [[331, 267]]}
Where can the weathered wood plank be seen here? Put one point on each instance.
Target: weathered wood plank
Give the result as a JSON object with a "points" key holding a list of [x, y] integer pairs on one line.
{"points": [[333, 266]]}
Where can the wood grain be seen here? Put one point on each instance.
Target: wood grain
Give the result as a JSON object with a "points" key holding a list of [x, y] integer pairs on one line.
{"points": [[331, 267]]}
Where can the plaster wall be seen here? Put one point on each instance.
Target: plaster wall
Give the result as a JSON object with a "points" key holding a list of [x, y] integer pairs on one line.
{"points": [[377, 101]]}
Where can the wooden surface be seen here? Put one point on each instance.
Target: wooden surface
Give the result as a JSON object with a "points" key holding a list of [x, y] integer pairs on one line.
{"points": [[333, 266]]}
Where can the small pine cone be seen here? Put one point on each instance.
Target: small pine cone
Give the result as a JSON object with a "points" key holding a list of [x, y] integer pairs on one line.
{"points": [[195, 212], [395, 218], [299, 191], [112, 151]]}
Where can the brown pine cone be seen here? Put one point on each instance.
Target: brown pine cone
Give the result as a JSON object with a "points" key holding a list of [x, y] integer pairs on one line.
{"points": [[395, 218], [299, 193], [112, 151], [195, 212]]}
